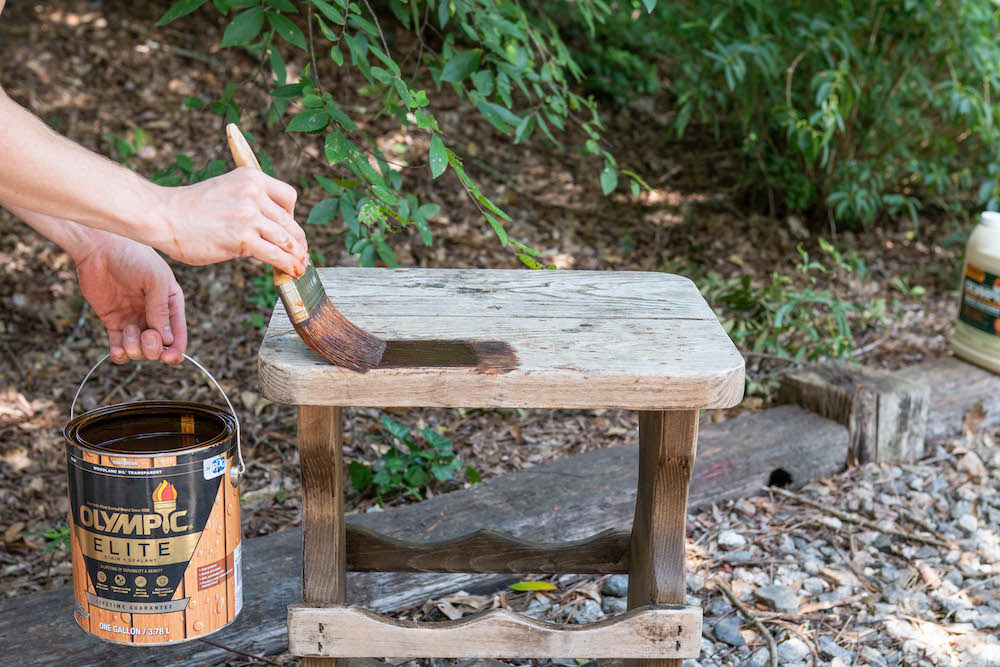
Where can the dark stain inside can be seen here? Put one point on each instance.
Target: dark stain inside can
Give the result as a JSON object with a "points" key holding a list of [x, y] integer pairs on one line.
{"points": [[486, 356], [145, 433]]}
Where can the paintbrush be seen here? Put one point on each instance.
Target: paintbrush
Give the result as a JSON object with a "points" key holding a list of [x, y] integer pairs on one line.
{"points": [[314, 317]]}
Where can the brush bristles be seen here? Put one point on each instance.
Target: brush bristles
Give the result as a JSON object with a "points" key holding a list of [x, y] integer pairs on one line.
{"points": [[334, 337]]}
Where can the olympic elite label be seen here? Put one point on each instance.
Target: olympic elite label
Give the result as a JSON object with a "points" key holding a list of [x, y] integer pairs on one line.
{"points": [[980, 306]]}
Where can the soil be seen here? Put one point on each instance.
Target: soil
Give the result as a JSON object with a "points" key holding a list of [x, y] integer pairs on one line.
{"points": [[93, 68]]}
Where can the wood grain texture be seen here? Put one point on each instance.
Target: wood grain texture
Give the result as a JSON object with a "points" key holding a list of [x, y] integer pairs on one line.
{"points": [[570, 498], [320, 441], [667, 444], [885, 414], [956, 387], [583, 339], [348, 631], [487, 551]]}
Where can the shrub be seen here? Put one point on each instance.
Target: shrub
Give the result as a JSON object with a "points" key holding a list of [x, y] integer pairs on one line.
{"points": [[849, 109], [507, 59]]}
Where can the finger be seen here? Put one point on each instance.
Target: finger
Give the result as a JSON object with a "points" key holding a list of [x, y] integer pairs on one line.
{"points": [[280, 216], [266, 251], [274, 233], [174, 354], [280, 192], [158, 290], [116, 346], [151, 343], [133, 347]]}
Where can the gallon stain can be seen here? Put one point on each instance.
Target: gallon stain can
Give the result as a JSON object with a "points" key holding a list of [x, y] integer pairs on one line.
{"points": [[155, 519]]}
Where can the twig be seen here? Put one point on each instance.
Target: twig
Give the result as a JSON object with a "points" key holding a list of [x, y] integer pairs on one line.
{"points": [[57, 355], [312, 52], [258, 658], [985, 582], [850, 517], [381, 34], [117, 388], [771, 646], [830, 604]]}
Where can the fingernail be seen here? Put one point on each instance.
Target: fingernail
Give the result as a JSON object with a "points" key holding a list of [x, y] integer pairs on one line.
{"points": [[132, 333], [167, 331]]}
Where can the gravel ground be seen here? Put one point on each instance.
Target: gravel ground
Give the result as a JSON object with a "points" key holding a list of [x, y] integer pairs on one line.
{"points": [[905, 572]]}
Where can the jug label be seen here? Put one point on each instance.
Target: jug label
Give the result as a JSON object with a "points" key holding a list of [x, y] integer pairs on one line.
{"points": [[980, 300]]}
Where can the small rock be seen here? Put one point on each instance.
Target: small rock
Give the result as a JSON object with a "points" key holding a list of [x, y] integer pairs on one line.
{"points": [[792, 650], [613, 605], [728, 630], [616, 586], [778, 598], [588, 612], [759, 658], [960, 509], [972, 466], [832, 522], [814, 585], [968, 523], [873, 657], [831, 649], [986, 619], [718, 606], [731, 540]]}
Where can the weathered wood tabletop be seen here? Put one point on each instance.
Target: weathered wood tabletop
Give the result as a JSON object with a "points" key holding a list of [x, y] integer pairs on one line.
{"points": [[514, 338]]}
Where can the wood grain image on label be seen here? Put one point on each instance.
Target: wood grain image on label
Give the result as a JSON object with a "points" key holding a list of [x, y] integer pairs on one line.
{"points": [[202, 613], [233, 531], [172, 624], [98, 616], [486, 356], [80, 579]]}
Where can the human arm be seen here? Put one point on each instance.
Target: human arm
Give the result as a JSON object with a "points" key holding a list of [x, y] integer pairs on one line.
{"points": [[241, 213], [128, 285]]}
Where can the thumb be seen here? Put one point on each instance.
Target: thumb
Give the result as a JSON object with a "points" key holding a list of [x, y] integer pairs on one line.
{"points": [[158, 308]]}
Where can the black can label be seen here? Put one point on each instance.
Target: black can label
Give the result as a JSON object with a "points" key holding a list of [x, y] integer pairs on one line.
{"points": [[980, 300], [137, 528]]}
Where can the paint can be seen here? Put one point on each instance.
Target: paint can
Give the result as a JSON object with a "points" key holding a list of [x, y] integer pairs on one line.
{"points": [[155, 519]]}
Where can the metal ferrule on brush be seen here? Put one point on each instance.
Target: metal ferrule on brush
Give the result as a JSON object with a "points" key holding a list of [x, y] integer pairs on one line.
{"points": [[302, 295]]}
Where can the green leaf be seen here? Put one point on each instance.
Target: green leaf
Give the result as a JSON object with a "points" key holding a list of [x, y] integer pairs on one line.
{"points": [[609, 179], [179, 9], [483, 81], [335, 15], [429, 210], [283, 6], [524, 129], [361, 475], [385, 252], [286, 91], [415, 475], [498, 228], [443, 473], [385, 194], [323, 212], [194, 103], [278, 66], [329, 184], [310, 120], [438, 156], [473, 475], [244, 27], [382, 74], [398, 430], [288, 30], [461, 65], [336, 55], [439, 442], [350, 215], [498, 116], [534, 586], [336, 147]]}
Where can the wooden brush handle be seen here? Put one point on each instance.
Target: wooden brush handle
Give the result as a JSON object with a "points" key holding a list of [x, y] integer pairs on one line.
{"points": [[243, 157]]}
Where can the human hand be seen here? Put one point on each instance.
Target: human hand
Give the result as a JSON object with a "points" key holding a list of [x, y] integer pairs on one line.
{"points": [[238, 214], [135, 294]]}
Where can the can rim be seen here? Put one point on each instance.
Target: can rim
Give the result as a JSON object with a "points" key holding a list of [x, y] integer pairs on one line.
{"points": [[73, 439]]}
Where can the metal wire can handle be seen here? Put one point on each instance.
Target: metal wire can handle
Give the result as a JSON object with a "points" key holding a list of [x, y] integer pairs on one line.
{"points": [[236, 474]]}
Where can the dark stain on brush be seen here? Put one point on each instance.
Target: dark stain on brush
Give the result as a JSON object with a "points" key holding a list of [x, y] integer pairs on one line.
{"points": [[486, 356]]}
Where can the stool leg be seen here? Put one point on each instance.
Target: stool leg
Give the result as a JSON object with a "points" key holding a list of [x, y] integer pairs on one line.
{"points": [[667, 442], [320, 439]]}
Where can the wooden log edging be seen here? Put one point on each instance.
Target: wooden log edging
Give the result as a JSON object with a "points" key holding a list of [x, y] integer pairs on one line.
{"points": [[568, 499]]}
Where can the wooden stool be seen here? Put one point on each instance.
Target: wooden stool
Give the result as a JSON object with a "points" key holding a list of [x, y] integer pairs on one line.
{"points": [[507, 339]]}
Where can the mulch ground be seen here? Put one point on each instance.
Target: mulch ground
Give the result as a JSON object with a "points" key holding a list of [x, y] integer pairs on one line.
{"points": [[89, 69]]}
